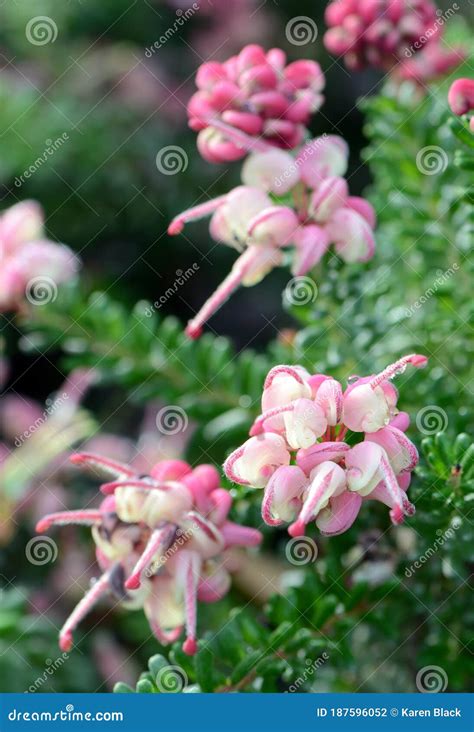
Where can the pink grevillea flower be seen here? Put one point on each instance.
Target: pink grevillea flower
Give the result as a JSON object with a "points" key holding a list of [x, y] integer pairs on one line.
{"points": [[163, 542], [433, 62], [28, 260], [253, 101], [319, 451], [461, 98], [385, 33], [253, 219]]}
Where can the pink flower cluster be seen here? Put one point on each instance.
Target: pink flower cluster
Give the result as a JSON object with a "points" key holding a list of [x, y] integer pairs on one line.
{"points": [[252, 220], [387, 34], [305, 451], [253, 100], [163, 542], [27, 258], [461, 98]]}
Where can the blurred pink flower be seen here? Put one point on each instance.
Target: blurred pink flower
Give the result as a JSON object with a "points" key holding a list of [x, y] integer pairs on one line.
{"points": [[461, 98], [401, 36], [31, 266], [36, 439], [163, 542], [253, 101]]}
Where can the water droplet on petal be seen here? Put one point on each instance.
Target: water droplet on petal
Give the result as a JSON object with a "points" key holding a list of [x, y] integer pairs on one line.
{"points": [[352, 379]]}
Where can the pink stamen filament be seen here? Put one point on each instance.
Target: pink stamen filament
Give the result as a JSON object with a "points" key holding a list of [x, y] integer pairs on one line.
{"points": [[64, 518], [398, 497], [81, 610], [194, 214], [157, 544], [266, 508], [165, 636], [108, 488], [104, 465], [315, 493], [414, 359], [223, 292], [241, 139], [409, 447], [289, 370], [258, 426], [229, 466], [191, 577]]}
